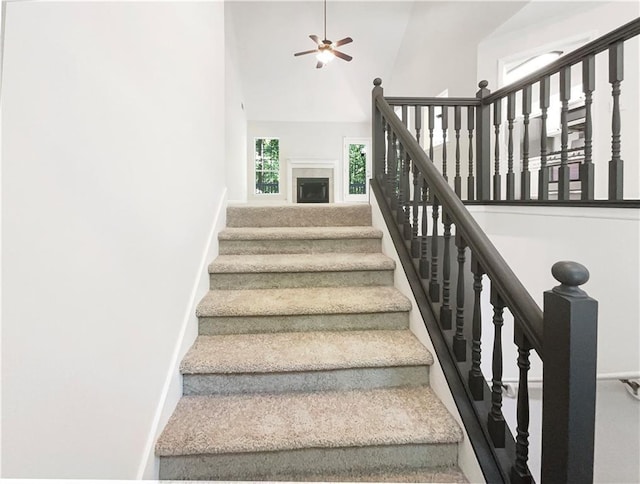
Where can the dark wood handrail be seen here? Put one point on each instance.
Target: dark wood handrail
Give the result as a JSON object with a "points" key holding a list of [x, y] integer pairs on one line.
{"points": [[433, 101], [525, 310], [596, 46]]}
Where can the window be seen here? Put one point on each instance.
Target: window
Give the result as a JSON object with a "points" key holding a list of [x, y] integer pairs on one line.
{"points": [[267, 165], [523, 68], [357, 169]]}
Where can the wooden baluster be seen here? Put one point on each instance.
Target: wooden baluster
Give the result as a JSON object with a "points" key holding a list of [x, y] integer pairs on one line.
{"points": [[525, 177], [415, 241], [495, 419], [457, 181], [445, 309], [587, 167], [406, 184], [417, 178], [406, 217], [459, 342], [424, 261], [520, 471], [385, 162], [391, 150], [406, 221], [511, 116], [417, 113], [397, 172], [483, 144], [497, 120], [471, 181], [616, 165], [543, 174], [563, 170], [476, 379], [402, 162], [432, 122], [445, 124], [434, 287]]}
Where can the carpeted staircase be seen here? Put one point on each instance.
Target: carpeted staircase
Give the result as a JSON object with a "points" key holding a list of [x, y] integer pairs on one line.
{"points": [[304, 368]]}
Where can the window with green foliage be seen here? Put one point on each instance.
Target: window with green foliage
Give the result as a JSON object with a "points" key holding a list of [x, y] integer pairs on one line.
{"points": [[357, 169], [267, 165]]}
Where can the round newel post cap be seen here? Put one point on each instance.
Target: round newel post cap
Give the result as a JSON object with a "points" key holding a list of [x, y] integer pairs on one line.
{"points": [[570, 275], [377, 82], [482, 84]]}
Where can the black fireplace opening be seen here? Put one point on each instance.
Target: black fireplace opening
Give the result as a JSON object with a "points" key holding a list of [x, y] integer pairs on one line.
{"points": [[313, 190]]}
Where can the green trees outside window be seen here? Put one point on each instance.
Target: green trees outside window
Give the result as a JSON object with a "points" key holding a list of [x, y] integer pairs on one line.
{"points": [[357, 169], [267, 165]]}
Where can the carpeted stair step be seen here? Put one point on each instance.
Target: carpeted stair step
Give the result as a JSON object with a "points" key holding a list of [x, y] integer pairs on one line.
{"points": [[300, 270], [437, 475], [309, 361], [264, 436], [298, 240], [302, 309], [299, 215]]}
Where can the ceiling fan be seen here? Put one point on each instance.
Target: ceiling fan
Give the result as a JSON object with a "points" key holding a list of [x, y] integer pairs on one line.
{"points": [[326, 50]]}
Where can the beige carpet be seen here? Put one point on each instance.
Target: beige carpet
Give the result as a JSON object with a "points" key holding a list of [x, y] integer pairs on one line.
{"points": [[326, 300], [321, 350], [252, 423]]}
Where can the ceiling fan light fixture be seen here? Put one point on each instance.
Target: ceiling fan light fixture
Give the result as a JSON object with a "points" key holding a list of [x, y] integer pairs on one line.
{"points": [[326, 49], [325, 56]]}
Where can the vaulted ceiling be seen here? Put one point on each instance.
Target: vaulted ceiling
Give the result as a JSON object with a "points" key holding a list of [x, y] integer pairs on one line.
{"points": [[280, 87]]}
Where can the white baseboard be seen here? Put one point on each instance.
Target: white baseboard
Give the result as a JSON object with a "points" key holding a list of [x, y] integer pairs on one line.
{"points": [[172, 389]]}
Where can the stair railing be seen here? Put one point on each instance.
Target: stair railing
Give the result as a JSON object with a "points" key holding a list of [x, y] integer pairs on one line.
{"points": [[410, 190], [565, 175]]}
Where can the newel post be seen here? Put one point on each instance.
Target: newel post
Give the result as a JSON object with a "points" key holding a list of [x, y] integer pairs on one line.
{"points": [[377, 135], [483, 144], [569, 378]]}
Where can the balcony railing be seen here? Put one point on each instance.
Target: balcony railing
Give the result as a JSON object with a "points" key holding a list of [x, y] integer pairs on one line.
{"points": [[498, 128], [267, 187]]}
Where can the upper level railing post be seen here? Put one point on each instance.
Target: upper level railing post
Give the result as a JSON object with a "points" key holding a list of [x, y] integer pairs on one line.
{"points": [[483, 145], [616, 75], [377, 135], [569, 378]]}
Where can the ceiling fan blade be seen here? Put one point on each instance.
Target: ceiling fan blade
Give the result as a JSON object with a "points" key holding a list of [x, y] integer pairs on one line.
{"points": [[346, 40], [314, 38], [305, 52], [319, 65], [342, 56]]}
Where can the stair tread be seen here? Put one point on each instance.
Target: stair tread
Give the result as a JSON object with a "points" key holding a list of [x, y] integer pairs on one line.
{"points": [[295, 233], [439, 475], [292, 301], [287, 421], [299, 215], [301, 263], [289, 352]]}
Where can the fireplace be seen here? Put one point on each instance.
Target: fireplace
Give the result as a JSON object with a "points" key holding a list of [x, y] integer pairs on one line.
{"points": [[312, 190], [315, 169]]}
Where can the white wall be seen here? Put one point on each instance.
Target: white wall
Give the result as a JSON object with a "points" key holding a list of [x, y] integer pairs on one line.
{"points": [[549, 24], [438, 50], [321, 141], [236, 119], [112, 173]]}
